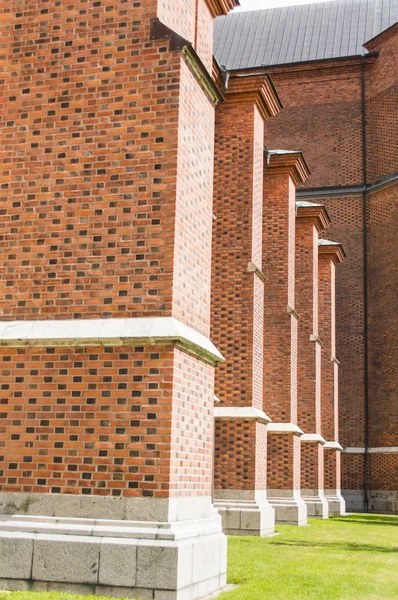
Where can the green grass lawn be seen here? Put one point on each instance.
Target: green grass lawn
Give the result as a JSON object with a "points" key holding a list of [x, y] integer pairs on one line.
{"points": [[344, 558]]}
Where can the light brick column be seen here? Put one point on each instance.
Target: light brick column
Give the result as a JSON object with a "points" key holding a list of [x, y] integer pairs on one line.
{"points": [[106, 366], [238, 306], [311, 219], [284, 170], [330, 255]]}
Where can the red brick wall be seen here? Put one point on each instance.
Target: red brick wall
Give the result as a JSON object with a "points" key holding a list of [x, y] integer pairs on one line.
{"points": [[346, 228], [91, 127], [240, 453], [382, 111], [383, 472], [283, 462], [321, 117], [77, 420], [194, 205], [332, 465], [383, 316], [105, 213], [352, 471], [312, 466]]}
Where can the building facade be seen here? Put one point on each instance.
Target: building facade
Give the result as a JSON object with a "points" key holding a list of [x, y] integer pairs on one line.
{"points": [[168, 300]]}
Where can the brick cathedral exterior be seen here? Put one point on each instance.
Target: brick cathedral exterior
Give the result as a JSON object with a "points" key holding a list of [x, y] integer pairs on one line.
{"points": [[179, 295]]}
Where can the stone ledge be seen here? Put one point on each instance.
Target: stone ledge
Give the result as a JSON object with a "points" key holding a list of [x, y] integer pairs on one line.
{"points": [[313, 437], [241, 412], [332, 446], [108, 332], [284, 428]]}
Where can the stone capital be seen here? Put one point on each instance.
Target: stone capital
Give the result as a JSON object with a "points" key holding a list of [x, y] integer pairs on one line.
{"points": [[289, 162], [309, 212], [221, 7], [257, 89], [333, 251]]}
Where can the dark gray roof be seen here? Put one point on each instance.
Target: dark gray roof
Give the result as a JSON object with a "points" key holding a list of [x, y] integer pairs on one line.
{"points": [[302, 33]]}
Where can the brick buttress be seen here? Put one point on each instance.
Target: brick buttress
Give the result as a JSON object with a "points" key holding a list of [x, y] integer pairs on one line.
{"points": [[310, 221], [283, 171], [238, 306], [330, 254], [107, 369]]}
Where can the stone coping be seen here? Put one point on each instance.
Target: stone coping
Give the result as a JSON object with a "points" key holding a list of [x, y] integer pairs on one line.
{"points": [[241, 412], [108, 332]]}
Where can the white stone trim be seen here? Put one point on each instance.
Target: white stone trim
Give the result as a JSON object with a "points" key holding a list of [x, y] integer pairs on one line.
{"points": [[315, 338], [381, 450], [313, 437], [332, 446], [285, 428], [107, 332], [241, 412]]}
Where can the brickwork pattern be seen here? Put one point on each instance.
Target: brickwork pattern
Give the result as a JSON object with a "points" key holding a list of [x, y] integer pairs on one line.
{"points": [[332, 475], [383, 472], [312, 466], [352, 471], [322, 118], [382, 111], [284, 462], [237, 447]]}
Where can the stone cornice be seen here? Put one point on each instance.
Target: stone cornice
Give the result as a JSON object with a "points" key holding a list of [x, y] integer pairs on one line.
{"points": [[290, 162], [333, 67], [257, 89], [331, 250], [221, 7], [313, 213], [108, 332]]}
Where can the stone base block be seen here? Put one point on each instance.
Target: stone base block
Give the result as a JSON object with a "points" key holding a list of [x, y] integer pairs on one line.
{"points": [[289, 510], [354, 500], [157, 561], [383, 502], [317, 505], [240, 517], [336, 503]]}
